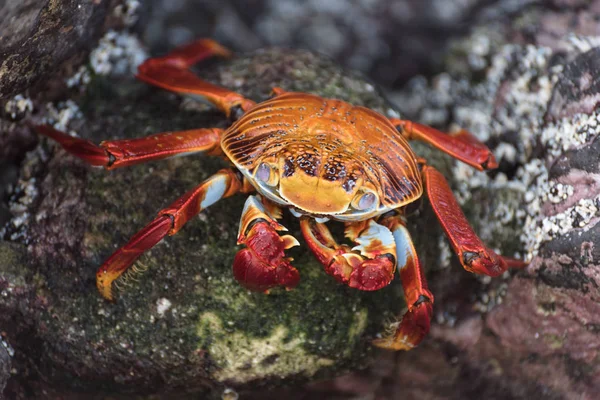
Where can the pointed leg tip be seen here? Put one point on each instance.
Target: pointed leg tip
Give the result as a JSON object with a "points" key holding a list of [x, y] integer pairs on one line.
{"points": [[104, 282], [388, 343], [489, 163], [105, 291]]}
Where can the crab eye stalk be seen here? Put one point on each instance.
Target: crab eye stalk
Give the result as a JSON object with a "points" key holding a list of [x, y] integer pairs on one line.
{"points": [[267, 174], [365, 201]]}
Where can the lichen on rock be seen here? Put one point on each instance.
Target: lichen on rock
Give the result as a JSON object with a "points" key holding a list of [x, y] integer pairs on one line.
{"points": [[536, 105]]}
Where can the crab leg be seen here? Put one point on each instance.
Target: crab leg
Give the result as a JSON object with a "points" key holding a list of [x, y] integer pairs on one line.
{"points": [[472, 253], [461, 145], [263, 265], [171, 72], [169, 220], [368, 266], [415, 323], [113, 154]]}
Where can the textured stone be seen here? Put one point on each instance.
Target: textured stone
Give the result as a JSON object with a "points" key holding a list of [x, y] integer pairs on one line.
{"points": [[527, 87], [40, 35]]}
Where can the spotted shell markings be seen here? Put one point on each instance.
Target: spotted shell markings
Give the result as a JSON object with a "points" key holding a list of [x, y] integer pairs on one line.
{"points": [[328, 144]]}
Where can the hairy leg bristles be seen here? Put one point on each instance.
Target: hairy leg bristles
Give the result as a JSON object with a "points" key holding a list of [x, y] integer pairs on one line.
{"points": [[129, 276]]}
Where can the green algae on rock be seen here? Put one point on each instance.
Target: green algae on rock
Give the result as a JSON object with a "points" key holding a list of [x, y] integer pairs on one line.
{"points": [[185, 325]]}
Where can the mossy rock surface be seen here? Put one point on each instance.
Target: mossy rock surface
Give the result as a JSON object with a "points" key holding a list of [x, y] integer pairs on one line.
{"points": [[185, 325]]}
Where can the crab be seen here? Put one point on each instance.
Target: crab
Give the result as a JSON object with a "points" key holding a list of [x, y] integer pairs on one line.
{"points": [[322, 159]]}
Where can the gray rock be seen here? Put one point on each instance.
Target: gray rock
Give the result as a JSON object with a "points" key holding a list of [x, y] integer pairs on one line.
{"points": [[526, 335], [5, 364], [389, 40], [42, 36], [537, 102]]}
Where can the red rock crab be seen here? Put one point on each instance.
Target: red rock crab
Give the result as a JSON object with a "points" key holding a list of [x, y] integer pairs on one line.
{"points": [[322, 159]]}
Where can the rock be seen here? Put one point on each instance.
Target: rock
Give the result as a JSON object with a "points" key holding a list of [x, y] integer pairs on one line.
{"points": [[41, 43], [536, 102], [185, 325], [530, 89], [15, 294], [42, 35], [389, 40], [5, 364]]}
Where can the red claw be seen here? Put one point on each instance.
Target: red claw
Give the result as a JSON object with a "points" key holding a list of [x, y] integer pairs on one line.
{"points": [[371, 270], [263, 264], [372, 274]]}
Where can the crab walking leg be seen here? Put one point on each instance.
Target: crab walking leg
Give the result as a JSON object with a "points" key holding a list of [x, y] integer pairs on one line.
{"points": [[171, 72], [263, 265], [368, 266], [472, 253], [113, 154], [462, 145], [169, 220], [415, 323]]}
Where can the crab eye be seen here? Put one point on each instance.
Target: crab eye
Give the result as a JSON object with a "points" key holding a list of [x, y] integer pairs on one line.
{"points": [[364, 201], [267, 174]]}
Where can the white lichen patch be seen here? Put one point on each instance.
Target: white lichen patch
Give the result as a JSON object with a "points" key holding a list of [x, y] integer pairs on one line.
{"points": [[162, 306], [558, 137], [582, 43], [445, 252], [61, 114], [128, 12], [19, 206], [8, 347], [118, 53], [80, 78], [241, 358], [559, 192], [18, 106], [569, 133]]}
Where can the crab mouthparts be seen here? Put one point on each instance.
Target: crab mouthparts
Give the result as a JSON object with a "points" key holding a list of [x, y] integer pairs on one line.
{"points": [[299, 213]]}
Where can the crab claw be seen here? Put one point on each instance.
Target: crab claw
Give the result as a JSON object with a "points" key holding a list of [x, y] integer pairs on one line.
{"points": [[263, 265], [360, 273], [368, 266]]}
